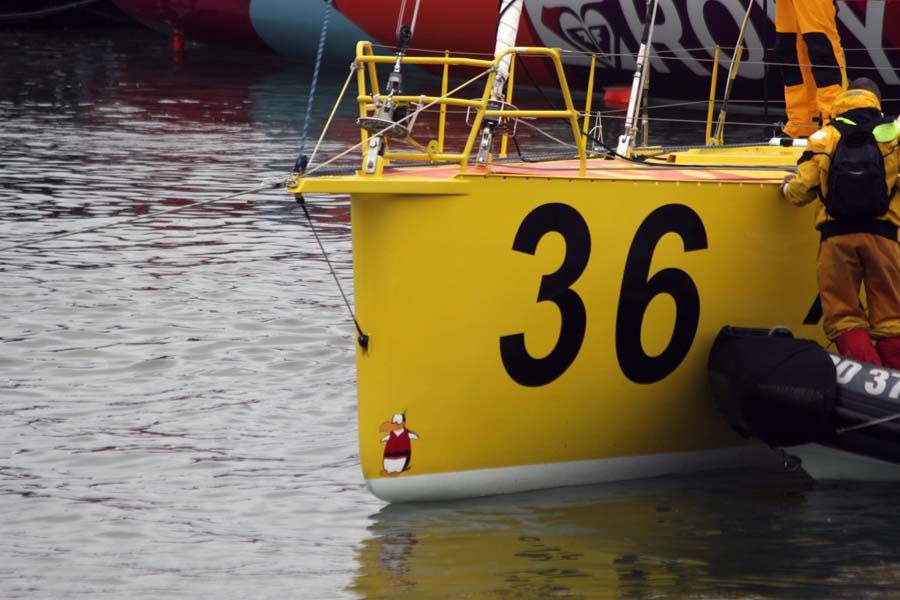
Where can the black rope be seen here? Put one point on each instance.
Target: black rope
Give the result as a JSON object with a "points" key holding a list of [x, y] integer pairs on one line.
{"points": [[534, 83], [502, 10], [362, 338], [644, 159], [519, 151]]}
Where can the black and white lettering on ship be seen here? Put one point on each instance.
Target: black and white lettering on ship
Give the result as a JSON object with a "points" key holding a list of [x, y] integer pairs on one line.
{"points": [[689, 30]]}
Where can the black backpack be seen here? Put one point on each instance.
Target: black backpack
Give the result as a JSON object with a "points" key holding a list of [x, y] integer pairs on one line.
{"points": [[857, 190]]}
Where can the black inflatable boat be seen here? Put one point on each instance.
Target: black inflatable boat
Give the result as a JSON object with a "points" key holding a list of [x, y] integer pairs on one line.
{"points": [[839, 417]]}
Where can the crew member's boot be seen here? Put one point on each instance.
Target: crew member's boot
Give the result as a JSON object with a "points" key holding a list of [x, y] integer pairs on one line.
{"points": [[889, 351], [857, 344]]}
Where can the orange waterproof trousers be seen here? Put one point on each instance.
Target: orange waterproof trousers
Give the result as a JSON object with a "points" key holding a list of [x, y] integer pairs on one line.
{"points": [[847, 261], [808, 48]]}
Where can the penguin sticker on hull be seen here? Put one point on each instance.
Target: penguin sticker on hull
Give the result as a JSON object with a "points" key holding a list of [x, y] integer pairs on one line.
{"points": [[398, 445]]}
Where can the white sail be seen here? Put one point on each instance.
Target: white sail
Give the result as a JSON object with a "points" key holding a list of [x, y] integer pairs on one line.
{"points": [[507, 30]]}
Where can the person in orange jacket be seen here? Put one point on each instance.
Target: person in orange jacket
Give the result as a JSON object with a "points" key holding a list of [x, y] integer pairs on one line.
{"points": [[855, 180], [808, 48]]}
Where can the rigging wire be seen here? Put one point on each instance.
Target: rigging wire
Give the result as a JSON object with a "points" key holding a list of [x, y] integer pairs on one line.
{"points": [[361, 338], [661, 53], [315, 79], [412, 26], [406, 118], [867, 424], [642, 159], [400, 14], [353, 69], [547, 134], [524, 64], [302, 163]]}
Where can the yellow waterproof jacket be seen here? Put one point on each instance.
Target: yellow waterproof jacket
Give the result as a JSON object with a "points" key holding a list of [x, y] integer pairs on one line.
{"points": [[811, 182]]}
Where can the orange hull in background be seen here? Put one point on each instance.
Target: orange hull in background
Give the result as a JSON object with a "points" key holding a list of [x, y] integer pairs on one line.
{"points": [[462, 26]]}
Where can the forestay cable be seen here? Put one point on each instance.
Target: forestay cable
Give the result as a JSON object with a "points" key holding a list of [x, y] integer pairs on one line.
{"points": [[315, 79], [362, 338]]}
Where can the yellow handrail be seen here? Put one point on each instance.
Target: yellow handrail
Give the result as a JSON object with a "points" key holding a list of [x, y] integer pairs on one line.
{"points": [[712, 97], [509, 99], [590, 96], [368, 97], [455, 61], [442, 119]]}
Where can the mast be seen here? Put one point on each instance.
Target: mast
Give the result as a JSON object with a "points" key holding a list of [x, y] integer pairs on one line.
{"points": [[507, 29], [626, 140]]}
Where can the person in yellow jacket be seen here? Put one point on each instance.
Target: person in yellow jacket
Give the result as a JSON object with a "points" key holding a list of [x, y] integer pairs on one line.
{"points": [[808, 48], [856, 247]]}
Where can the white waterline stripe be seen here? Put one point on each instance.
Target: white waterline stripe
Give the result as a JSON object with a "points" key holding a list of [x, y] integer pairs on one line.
{"points": [[506, 480]]}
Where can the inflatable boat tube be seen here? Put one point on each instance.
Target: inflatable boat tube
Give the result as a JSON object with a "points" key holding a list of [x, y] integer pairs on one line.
{"points": [[789, 392]]}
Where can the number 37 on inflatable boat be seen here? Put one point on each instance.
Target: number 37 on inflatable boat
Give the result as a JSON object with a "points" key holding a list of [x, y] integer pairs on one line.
{"points": [[838, 417]]}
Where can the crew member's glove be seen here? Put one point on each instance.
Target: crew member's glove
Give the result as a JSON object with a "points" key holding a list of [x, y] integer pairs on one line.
{"points": [[786, 182]]}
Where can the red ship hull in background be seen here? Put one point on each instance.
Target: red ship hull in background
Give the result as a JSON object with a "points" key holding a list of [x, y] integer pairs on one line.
{"points": [[686, 33]]}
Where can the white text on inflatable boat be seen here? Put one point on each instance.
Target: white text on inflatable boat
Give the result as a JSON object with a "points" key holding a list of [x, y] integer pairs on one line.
{"points": [[875, 381]]}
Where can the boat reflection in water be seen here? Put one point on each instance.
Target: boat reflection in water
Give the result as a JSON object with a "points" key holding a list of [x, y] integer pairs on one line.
{"points": [[718, 536]]}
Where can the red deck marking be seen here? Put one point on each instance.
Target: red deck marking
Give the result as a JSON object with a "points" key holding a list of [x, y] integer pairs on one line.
{"points": [[597, 170]]}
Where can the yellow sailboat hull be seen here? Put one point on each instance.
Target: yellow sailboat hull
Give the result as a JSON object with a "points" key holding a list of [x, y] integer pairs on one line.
{"points": [[544, 324], [542, 330]]}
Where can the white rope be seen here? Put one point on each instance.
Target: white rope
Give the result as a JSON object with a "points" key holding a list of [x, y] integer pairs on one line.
{"points": [[869, 424], [412, 27], [400, 18], [353, 68], [547, 134], [402, 13]]}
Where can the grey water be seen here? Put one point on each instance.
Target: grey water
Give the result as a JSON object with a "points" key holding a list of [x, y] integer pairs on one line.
{"points": [[177, 395]]}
